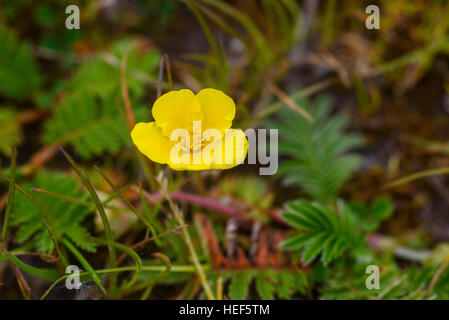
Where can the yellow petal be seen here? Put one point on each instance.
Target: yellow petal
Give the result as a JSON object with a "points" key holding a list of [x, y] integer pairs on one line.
{"points": [[193, 164], [190, 167], [234, 149], [177, 110], [149, 140], [219, 154], [218, 109]]}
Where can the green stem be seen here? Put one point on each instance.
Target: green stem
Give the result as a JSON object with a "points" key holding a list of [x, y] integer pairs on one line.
{"points": [[104, 218], [179, 269], [194, 256], [84, 263]]}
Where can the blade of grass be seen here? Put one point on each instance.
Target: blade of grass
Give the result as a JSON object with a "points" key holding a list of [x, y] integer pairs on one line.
{"points": [[47, 274], [129, 204], [23, 284], [180, 269], [219, 58], [204, 27], [104, 218], [259, 38], [136, 259], [78, 201], [154, 226], [188, 240], [149, 284], [11, 191], [84, 263], [418, 175], [219, 22]]}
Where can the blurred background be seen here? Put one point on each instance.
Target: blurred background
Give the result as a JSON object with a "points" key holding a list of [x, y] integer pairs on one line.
{"points": [[363, 120]]}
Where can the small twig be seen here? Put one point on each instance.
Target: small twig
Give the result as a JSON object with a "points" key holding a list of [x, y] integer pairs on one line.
{"points": [[39, 158], [124, 88], [21, 281], [289, 102], [436, 276], [160, 77], [168, 70]]}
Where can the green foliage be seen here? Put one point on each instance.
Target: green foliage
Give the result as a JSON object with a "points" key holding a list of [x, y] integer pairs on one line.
{"points": [[329, 233], [370, 218], [269, 283], [240, 285], [10, 131], [317, 153], [91, 117], [394, 282], [89, 123], [65, 216], [19, 74], [265, 284], [322, 230]]}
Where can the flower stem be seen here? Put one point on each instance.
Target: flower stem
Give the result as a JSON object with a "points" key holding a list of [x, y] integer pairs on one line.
{"points": [[178, 215]]}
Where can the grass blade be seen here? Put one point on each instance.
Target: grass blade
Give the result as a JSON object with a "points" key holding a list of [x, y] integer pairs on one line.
{"points": [[47, 274], [136, 259], [104, 218], [11, 191], [129, 204], [84, 263]]}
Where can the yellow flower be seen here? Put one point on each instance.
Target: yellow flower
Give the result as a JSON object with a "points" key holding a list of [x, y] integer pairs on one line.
{"points": [[192, 132]]}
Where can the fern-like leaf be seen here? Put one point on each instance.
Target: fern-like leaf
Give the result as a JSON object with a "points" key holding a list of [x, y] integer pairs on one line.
{"points": [[240, 285], [322, 231], [91, 117], [19, 75], [317, 154], [66, 216]]}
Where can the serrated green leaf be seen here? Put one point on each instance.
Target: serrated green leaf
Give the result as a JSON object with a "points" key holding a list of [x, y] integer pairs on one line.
{"points": [[265, 284], [240, 285], [17, 61], [285, 285], [315, 246], [296, 242], [328, 234], [66, 216], [318, 154]]}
